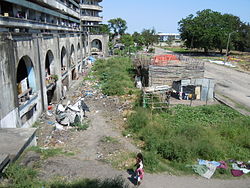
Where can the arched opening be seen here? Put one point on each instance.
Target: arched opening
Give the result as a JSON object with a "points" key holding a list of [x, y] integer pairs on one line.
{"points": [[26, 81], [73, 74], [96, 46], [49, 64], [72, 56], [50, 76], [64, 60], [26, 88], [78, 52]]}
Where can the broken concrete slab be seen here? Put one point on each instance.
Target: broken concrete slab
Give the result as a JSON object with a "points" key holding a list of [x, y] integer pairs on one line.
{"points": [[14, 141]]}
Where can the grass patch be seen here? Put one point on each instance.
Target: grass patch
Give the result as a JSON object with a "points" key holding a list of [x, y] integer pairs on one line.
{"points": [[20, 177], [122, 161], [115, 75], [185, 133], [49, 152], [109, 139], [117, 182]]}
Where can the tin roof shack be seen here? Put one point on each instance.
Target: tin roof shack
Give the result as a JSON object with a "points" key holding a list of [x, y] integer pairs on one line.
{"points": [[190, 89], [185, 75]]}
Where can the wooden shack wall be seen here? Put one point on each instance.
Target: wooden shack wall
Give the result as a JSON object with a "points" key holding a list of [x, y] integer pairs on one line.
{"points": [[165, 75]]}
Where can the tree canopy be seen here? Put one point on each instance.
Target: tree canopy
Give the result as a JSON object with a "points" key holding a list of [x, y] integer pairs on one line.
{"points": [[149, 36], [210, 30], [118, 26]]}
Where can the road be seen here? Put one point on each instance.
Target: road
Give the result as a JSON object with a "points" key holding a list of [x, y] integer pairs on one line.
{"points": [[230, 83]]}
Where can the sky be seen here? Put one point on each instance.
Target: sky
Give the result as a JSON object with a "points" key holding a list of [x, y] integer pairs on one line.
{"points": [[164, 15]]}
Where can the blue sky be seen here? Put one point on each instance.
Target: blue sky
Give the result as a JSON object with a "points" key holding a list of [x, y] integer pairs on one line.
{"points": [[164, 15]]}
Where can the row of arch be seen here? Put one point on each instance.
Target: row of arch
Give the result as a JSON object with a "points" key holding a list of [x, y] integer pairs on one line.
{"points": [[26, 77]]}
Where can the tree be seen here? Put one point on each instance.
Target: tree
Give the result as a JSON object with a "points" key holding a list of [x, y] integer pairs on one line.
{"points": [[208, 30], [242, 42], [138, 39], [104, 29], [118, 26], [149, 36], [127, 40]]}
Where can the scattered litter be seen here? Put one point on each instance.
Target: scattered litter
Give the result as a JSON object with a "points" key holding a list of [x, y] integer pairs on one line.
{"points": [[49, 113], [59, 127], [229, 64]]}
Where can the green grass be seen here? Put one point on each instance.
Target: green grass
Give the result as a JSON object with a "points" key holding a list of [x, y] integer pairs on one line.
{"points": [[177, 49], [184, 133], [50, 152], [23, 177], [117, 182], [115, 75], [20, 177], [109, 139]]}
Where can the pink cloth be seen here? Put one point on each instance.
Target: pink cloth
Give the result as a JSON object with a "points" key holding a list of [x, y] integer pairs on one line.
{"points": [[140, 172], [223, 164], [237, 173]]}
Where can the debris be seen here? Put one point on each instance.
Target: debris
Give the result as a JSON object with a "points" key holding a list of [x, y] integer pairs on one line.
{"points": [[59, 127]]}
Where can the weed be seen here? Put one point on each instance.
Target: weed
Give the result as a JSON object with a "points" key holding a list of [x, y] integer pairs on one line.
{"points": [[115, 75], [49, 152], [185, 133], [109, 139], [117, 182], [20, 177]]}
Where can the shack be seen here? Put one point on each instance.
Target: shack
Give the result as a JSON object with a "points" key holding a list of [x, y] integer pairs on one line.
{"points": [[183, 74]]}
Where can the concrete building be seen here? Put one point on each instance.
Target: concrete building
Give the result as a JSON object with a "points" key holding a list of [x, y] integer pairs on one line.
{"points": [[169, 39], [42, 48], [96, 43]]}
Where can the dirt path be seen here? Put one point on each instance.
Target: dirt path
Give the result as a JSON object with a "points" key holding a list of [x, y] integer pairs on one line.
{"points": [[90, 150]]}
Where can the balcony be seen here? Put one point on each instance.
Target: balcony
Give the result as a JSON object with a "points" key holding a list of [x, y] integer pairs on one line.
{"points": [[91, 18], [23, 23], [91, 7], [63, 7]]}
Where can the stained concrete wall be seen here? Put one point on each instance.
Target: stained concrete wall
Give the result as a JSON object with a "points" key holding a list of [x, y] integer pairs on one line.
{"points": [[104, 41], [15, 46]]}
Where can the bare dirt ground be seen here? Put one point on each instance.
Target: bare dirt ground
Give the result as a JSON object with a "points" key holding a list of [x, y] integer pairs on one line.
{"points": [[103, 139]]}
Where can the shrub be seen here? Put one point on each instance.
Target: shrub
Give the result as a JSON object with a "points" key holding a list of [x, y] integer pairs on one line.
{"points": [[151, 161], [115, 75], [21, 177], [185, 133], [138, 120]]}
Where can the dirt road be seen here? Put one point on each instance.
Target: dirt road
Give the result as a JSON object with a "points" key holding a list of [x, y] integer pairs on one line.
{"points": [[230, 83]]}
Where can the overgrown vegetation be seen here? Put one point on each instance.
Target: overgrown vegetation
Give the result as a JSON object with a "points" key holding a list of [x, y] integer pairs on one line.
{"points": [[115, 75], [20, 177], [185, 133]]}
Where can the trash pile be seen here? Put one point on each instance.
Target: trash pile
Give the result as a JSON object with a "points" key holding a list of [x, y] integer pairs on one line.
{"points": [[71, 114], [207, 168]]}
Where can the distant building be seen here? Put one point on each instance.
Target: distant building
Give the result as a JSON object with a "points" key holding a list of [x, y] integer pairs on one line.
{"points": [[169, 39], [91, 19], [43, 44]]}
